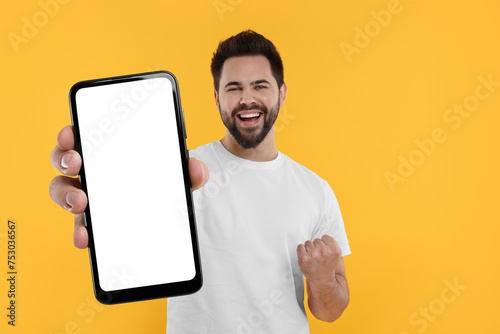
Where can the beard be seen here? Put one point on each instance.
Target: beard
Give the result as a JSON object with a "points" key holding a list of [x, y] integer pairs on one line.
{"points": [[250, 137]]}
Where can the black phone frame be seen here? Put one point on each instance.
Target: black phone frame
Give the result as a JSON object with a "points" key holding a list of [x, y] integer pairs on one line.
{"points": [[154, 291]]}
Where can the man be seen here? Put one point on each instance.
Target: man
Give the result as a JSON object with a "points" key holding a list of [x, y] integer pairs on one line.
{"points": [[263, 220]]}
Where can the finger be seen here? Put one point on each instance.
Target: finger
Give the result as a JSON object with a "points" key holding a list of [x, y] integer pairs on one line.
{"points": [[63, 157], [301, 250], [309, 246], [332, 244], [328, 240], [67, 162], [80, 236], [198, 172], [319, 243], [65, 192], [65, 138], [303, 256]]}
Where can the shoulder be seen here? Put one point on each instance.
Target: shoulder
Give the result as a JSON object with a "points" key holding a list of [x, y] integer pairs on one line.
{"points": [[302, 172], [308, 181], [212, 155], [202, 150], [208, 153]]}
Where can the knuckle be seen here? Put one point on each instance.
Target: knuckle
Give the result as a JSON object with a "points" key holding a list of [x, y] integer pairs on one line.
{"points": [[335, 250], [304, 257], [54, 186], [327, 237], [55, 160], [61, 133], [325, 252]]}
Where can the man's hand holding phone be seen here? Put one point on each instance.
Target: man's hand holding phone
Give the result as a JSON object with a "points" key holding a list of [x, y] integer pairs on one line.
{"points": [[66, 192]]}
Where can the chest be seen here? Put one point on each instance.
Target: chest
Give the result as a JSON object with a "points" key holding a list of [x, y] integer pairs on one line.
{"points": [[257, 207]]}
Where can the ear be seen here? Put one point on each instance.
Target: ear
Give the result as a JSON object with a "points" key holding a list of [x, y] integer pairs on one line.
{"points": [[283, 90], [216, 97]]}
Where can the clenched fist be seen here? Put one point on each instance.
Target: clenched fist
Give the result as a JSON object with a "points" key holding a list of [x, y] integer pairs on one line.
{"points": [[319, 259]]}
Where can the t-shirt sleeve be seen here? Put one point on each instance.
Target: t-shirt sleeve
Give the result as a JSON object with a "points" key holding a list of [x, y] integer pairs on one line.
{"points": [[331, 222]]}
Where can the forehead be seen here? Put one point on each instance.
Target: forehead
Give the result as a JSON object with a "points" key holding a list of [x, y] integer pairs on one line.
{"points": [[246, 69]]}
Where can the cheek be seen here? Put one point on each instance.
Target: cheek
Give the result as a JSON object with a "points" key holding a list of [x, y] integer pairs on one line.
{"points": [[270, 102], [229, 103]]}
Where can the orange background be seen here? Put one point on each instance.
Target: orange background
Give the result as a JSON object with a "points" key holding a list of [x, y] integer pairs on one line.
{"points": [[367, 80]]}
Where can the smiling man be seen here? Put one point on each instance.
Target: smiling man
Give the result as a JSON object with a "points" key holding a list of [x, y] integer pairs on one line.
{"points": [[264, 221], [269, 222]]}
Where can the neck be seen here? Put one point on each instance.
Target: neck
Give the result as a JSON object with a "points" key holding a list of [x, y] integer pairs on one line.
{"points": [[265, 151]]}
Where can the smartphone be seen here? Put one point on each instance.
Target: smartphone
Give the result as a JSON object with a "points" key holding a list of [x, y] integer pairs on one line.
{"points": [[130, 133]]}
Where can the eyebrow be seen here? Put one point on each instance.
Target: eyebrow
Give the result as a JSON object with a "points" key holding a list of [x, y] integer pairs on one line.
{"points": [[238, 83], [256, 82]]}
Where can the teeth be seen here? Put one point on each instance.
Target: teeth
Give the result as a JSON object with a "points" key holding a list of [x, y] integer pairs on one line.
{"points": [[250, 115]]}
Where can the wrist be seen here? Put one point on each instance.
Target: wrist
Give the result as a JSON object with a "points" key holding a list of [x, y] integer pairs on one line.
{"points": [[323, 280]]}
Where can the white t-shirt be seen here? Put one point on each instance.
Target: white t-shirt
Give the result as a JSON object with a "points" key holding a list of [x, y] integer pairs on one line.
{"points": [[251, 216]]}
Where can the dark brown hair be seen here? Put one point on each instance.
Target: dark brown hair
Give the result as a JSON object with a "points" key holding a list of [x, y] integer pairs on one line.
{"points": [[246, 43]]}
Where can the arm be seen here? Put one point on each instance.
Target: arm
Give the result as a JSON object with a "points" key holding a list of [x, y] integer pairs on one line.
{"points": [[322, 265]]}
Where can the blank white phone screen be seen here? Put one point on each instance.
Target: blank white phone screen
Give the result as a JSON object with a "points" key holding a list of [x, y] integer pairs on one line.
{"points": [[135, 184]]}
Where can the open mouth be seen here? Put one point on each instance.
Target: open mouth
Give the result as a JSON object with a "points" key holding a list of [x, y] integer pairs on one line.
{"points": [[249, 117]]}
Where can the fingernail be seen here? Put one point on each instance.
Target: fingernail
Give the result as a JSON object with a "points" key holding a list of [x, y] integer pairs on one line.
{"points": [[66, 159], [70, 199]]}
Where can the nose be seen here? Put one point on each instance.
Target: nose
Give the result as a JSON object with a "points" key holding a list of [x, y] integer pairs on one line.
{"points": [[247, 98]]}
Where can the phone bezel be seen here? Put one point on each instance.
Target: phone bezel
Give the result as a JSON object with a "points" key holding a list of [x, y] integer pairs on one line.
{"points": [[153, 291]]}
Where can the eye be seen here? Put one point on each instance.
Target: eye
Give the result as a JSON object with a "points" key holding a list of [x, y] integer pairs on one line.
{"points": [[232, 89], [260, 87]]}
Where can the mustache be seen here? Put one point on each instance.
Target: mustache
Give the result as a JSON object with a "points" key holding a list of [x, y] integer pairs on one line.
{"points": [[250, 107]]}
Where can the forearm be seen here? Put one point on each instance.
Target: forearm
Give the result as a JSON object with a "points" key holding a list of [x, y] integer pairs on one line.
{"points": [[327, 300]]}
